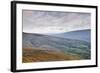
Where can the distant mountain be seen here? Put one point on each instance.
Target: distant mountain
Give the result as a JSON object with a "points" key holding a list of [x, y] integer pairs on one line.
{"points": [[64, 45], [78, 35]]}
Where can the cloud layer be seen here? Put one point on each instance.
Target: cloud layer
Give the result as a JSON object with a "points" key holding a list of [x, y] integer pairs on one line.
{"points": [[54, 22]]}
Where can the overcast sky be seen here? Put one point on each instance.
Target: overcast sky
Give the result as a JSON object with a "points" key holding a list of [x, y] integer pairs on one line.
{"points": [[45, 22]]}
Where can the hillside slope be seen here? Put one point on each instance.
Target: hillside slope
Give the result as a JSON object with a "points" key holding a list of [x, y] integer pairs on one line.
{"points": [[52, 44]]}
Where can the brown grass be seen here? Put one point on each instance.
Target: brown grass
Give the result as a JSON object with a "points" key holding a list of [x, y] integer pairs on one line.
{"points": [[38, 55]]}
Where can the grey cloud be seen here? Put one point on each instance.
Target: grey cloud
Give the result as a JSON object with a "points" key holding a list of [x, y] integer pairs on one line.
{"points": [[34, 19]]}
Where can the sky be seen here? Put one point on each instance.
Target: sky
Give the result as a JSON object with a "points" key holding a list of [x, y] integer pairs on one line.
{"points": [[52, 22]]}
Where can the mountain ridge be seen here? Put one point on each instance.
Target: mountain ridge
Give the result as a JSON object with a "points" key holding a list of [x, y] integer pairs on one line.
{"points": [[83, 35]]}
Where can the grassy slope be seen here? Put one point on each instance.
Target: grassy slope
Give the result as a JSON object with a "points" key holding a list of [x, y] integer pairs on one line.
{"points": [[38, 55]]}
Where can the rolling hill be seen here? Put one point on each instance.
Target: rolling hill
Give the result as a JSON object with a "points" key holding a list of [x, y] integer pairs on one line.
{"points": [[51, 45]]}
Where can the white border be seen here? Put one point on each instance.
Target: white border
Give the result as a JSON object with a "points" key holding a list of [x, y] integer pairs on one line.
{"points": [[21, 65]]}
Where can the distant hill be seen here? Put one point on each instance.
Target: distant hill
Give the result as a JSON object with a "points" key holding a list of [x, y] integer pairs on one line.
{"points": [[78, 35]]}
